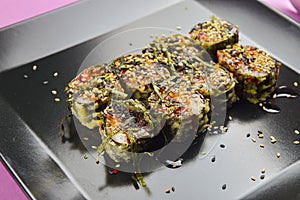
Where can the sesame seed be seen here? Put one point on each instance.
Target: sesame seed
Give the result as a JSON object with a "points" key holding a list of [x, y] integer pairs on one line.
{"points": [[263, 170], [178, 27], [45, 82], [262, 145], [260, 135], [173, 189], [248, 135], [94, 147], [253, 178], [295, 84], [118, 165], [272, 137], [25, 76], [167, 190], [34, 68], [57, 99], [262, 177], [85, 156], [85, 138], [253, 139], [278, 155], [273, 141], [296, 142], [213, 159], [55, 74], [230, 118], [97, 160], [224, 187], [203, 153], [54, 92], [296, 132]]}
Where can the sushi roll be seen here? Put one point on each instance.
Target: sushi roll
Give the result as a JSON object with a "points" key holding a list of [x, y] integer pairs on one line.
{"points": [[255, 70], [213, 82], [178, 51], [214, 35], [127, 126], [221, 84], [90, 92], [138, 72], [183, 111], [192, 62]]}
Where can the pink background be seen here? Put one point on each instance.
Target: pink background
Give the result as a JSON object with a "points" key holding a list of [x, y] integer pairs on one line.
{"points": [[284, 6], [14, 11], [9, 189]]}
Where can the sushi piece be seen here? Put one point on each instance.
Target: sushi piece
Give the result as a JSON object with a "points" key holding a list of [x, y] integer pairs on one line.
{"points": [[213, 82], [255, 70], [214, 35], [90, 92], [192, 62], [127, 126], [178, 51], [183, 112], [138, 72]]}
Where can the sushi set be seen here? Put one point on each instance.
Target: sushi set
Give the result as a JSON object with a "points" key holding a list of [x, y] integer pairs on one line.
{"points": [[164, 94], [160, 113]]}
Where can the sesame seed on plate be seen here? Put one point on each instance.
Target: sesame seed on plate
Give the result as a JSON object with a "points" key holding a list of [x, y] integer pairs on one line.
{"points": [[278, 155], [54, 92], [262, 145], [57, 99], [223, 186]]}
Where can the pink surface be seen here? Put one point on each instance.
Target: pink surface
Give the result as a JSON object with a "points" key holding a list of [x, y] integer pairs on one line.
{"points": [[14, 11], [9, 189], [284, 6]]}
